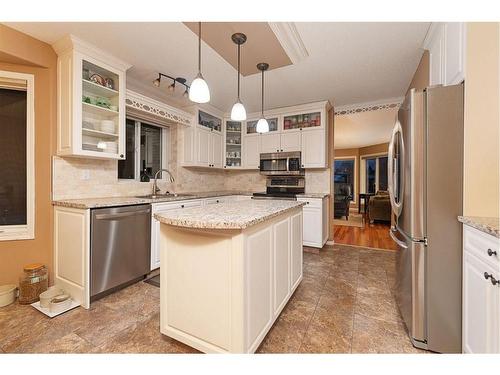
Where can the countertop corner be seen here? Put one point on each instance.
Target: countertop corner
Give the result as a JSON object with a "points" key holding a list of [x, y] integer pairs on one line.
{"points": [[488, 225]]}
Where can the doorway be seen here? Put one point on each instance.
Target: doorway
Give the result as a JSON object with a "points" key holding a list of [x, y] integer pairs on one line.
{"points": [[362, 210]]}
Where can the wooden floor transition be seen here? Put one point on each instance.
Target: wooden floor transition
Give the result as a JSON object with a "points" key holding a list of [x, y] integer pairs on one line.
{"points": [[374, 235]]}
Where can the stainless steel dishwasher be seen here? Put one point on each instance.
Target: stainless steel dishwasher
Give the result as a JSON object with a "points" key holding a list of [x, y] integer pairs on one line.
{"points": [[120, 247]]}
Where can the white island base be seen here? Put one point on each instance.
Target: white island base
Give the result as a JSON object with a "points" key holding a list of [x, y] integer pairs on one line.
{"points": [[222, 289]]}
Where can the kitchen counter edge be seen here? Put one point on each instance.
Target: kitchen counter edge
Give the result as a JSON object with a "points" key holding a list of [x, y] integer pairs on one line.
{"points": [[488, 225]]}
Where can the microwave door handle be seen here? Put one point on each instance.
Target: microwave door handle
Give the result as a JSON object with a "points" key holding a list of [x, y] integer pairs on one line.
{"points": [[288, 164]]}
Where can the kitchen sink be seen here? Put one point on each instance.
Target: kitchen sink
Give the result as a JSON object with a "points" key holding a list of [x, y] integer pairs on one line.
{"points": [[166, 195]]}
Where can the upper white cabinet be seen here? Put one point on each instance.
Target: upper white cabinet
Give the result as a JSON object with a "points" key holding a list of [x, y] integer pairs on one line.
{"points": [[313, 148], [446, 44], [232, 144], [270, 142], [481, 292], [203, 142], [251, 152], [91, 101], [218, 143]]}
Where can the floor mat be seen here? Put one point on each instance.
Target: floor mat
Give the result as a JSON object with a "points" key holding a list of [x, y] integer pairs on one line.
{"points": [[355, 220], [155, 280]]}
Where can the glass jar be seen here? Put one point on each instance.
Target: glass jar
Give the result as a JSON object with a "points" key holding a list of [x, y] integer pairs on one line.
{"points": [[34, 281]]}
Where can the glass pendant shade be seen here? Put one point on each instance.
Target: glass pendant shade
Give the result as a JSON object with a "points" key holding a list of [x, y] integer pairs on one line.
{"points": [[262, 126], [199, 92], [238, 113]]}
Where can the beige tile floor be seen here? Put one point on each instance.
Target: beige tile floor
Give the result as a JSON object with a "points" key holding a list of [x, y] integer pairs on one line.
{"points": [[343, 305]]}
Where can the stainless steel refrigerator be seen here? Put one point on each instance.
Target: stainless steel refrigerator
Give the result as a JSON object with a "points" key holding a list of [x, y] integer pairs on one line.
{"points": [[425, 186]]}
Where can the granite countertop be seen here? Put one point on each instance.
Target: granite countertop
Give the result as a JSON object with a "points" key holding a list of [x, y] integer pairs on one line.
{"points": [[130, 201], [489, 225], [313, 195], [228, 215]]}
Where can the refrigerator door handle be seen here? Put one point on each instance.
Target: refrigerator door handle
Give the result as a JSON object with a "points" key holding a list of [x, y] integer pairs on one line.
{"points": [[397, 240], [396, 166]]}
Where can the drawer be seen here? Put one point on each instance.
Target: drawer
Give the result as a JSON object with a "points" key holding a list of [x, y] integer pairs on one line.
{"points": [[157, 207], [483, 246], [312, 202], [215, 200]]}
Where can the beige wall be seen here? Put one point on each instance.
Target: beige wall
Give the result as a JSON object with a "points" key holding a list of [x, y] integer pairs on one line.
{"points": [[21, 53], [481, 127]]}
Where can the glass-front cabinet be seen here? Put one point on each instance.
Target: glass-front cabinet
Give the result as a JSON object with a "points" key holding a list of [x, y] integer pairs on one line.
{"points": [[100, 109], [208, 121], [251, 125], [302, 121], [91, 101], [233, 144]]}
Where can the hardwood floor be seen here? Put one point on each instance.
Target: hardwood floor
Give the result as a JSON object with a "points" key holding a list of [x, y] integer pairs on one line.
{"points": [[371, 235]]}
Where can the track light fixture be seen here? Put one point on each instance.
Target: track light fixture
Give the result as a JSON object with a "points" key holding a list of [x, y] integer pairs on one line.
{"points": [[171, 87]]}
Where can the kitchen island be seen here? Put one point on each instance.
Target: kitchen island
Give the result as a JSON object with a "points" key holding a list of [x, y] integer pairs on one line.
{"points": [[227, 271]]}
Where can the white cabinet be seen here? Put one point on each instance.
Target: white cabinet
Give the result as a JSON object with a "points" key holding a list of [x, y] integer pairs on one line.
{"points": [[315, 221], [90, 101], [202, 144], [155, 225], [481, 293], [216, 150], [296, 250], [251, 152], [204, 147], [291, 141], [270, 142], [313, 148], [281, 261], [446, 44]]}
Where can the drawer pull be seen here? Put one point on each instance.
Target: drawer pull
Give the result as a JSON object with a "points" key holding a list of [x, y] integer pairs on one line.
{"points": [[491, 252], [492, 279], [182, 206]]}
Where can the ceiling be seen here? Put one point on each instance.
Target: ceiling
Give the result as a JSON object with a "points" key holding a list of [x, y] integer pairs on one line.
{"points": [[261, 44], [347, 63], [364, 129]]}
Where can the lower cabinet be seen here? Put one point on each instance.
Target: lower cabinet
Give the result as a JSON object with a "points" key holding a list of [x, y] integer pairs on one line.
{"points": [[274, 267], [481, 293], [315, 232], [161, 207], [155, 225]]}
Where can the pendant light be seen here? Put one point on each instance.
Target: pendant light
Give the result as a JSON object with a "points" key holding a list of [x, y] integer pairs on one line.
{"points": [[262, 124], [238, 113], [199, 92]]}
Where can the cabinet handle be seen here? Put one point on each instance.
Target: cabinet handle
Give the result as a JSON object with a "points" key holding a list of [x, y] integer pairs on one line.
{"points": [[492, 279], [217, 201], [491, 252], [121, 156], [182, 206], [302, 165], [281, 150]]}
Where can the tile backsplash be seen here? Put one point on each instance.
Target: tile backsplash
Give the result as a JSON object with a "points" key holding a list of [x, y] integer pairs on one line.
{"points": [[90, 178]]}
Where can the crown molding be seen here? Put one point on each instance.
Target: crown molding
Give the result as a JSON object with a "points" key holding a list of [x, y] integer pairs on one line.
{"points": [[384, 104], [289, 38], [156, 108], [70, 42]]}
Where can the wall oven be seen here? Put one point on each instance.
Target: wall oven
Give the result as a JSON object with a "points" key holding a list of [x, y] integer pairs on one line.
{"points": [[281, 163]]}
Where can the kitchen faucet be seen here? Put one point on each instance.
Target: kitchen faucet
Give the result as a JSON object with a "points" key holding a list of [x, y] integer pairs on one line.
{"points": [[155, 187]]}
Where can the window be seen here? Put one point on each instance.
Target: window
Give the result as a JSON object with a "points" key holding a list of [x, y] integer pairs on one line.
{"points": [[375, 173], [17, 185], [344, 173], [145, 151]]}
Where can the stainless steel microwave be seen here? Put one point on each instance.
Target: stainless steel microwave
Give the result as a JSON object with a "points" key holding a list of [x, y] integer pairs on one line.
{"points": [[281, 163]]}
